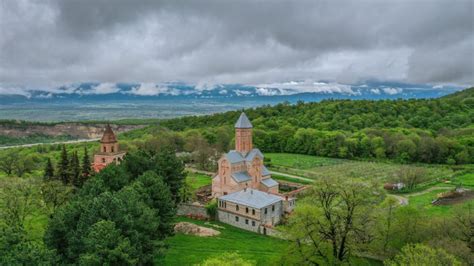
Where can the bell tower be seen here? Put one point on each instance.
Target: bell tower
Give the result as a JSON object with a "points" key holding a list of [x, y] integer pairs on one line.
{"points": [[109, 151], [243, 135]]}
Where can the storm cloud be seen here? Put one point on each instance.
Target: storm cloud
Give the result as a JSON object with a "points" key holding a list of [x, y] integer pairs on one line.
{"points": [[52, 42]]}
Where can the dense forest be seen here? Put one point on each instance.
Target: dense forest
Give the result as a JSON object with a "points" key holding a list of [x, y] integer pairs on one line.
{"points": [[423, 130]]}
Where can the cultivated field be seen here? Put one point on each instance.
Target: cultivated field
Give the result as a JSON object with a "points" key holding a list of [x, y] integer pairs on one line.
{"points": [[314, 167]]}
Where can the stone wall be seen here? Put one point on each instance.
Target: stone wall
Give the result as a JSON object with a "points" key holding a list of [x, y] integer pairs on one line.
{"points": [[243, 222], [185, 209]]}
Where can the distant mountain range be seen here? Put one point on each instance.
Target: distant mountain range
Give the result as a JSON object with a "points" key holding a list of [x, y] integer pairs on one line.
{"points": [[291, 91], [110, 101]]}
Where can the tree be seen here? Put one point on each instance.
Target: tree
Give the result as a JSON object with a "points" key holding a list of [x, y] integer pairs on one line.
{"points": [[171, 168], [75, 170], [17, 199], [105, 245], [17, 249], [86, 169], [63, 167], [55, 194], [331, 221], [227, 259], [8, 162], [48, 171], [24, 165], [422, 255]]}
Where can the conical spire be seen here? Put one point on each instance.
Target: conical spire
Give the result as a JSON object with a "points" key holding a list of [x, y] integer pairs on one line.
{"points": [[109, 136], [243, 122]]}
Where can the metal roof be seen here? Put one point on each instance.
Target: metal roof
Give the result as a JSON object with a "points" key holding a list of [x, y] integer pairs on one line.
{"points": [[252, 198], [243, 122], [241, 176], [265, 171], [269, 182]]}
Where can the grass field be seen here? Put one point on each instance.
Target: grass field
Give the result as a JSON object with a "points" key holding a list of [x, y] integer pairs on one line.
{"points": [[466, 180], [198, 180], [314, 167], [190, 250], [262, 250], [422, 202]]}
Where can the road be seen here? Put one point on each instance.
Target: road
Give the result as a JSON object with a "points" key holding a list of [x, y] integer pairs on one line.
{"points": [[49, 143]]}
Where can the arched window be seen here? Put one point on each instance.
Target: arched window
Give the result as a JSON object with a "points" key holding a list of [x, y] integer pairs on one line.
{"points": [[253, 212], [112, 148], [237, 207], [103, 160], [105, 149]]}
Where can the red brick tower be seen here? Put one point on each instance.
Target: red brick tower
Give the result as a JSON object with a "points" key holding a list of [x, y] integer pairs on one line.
{"points": [[109, 151], [243, 135]]}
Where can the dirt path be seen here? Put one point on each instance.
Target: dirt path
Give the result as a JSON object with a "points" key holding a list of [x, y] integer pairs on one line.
{"points": [[48, 143]]}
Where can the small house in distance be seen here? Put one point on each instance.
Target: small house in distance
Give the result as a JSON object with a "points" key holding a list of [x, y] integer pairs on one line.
{"points": [[109, 151]]}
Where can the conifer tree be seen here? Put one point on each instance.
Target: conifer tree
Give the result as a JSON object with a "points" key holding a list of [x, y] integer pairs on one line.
{"points": [[63, 167], [75, 170], [86, 167], [48, 171]]}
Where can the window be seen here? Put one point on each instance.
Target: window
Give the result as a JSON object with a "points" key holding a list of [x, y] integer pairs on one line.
{"points": [[246, 221], [105, 149], [225, 193], [112, 149], [237, 207], [246, 210], [236, 218], [273, 208], [266, 210], [103, 160], [253, 223], [253, 212]]}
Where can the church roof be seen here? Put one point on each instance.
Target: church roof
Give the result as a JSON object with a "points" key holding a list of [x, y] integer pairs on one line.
{"points": [[252, 198], [269, 182], [243, 122], [265, 171], [109, 136], [236, 157], [241, 176]]}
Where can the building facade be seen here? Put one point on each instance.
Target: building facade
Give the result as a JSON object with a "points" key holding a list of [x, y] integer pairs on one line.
{"points": [[109, 151], [243, 167], [247, 196], [253, 210]]}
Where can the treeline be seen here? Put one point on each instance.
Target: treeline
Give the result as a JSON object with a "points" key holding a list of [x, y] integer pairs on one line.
{"points": [[427, 130], [69, 170], [120, 216]]}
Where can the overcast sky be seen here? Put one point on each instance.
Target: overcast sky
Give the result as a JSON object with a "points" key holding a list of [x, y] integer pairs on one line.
{"points": [[51, 42]]}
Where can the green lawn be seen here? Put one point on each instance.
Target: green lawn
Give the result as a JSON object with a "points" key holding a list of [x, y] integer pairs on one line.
{"points": [[190, 250], [315, 167], [466, 180], [423, 203], [198, 180]]}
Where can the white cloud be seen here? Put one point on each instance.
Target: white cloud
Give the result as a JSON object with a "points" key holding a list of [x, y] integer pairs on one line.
{"points": [[392, 91], [151, 89], [375, 91], [295, 87], [103, 88]]}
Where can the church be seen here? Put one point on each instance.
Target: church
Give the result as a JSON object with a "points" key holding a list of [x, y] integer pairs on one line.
{"points": [[243, 167], [109, 151], [247, 196]]}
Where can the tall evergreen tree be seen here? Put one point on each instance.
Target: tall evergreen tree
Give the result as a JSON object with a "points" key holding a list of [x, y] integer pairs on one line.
{"points": [[63, 167], [86, 167], [75, 170], [48, 171]]}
